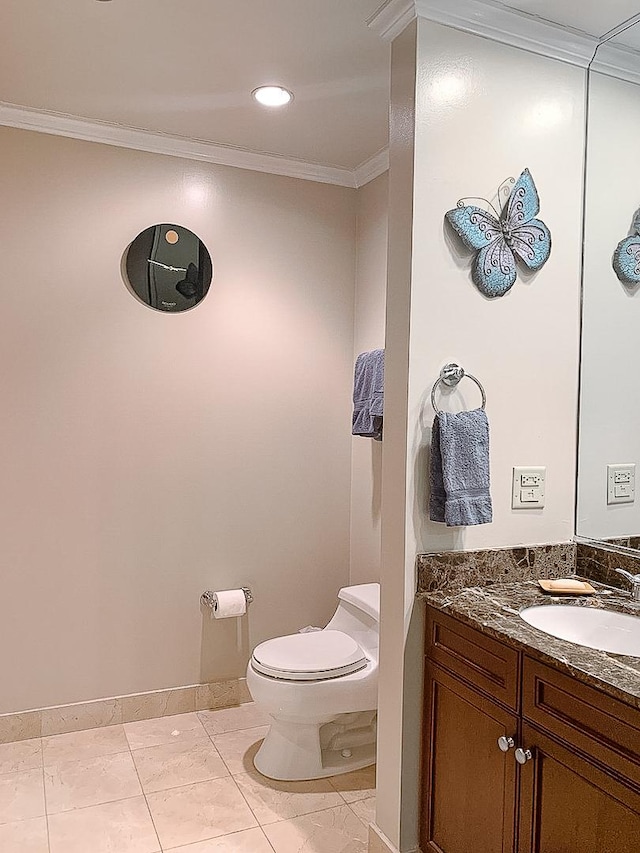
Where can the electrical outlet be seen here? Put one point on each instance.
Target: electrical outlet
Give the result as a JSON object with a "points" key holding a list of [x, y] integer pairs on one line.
{"points": [[621, 484], [528, 488]]}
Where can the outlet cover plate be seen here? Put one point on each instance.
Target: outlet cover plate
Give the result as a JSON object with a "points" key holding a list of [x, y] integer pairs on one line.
{"points": [[528, 488], [621, 483]]}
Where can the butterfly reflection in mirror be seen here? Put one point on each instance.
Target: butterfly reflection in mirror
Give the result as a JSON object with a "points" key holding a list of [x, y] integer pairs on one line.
{"points": [[500, 238], [626, 258]]}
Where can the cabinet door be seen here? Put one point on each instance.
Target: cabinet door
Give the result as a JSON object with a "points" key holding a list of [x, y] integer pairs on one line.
{"points": [[469, 785], [569, 805]]}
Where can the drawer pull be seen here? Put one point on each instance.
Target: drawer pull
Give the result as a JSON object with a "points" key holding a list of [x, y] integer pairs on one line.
{"points": [[523, 755], [506, 743]]}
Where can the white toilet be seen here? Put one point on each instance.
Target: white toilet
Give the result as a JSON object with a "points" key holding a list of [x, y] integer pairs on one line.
{"points": [[321, 691]]}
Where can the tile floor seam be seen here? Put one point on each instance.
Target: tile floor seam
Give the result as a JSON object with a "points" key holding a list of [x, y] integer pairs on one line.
{"points": [[144, 794], [308, 814], [226, 775], [95, 805], [26, 770], [223, 734], [306, 848], [218, 838], [231, 776], [342, 796], [46, 811], [68, 735], [104, 773], [255, 816], [111, 803], [228, 731], [366, 825], [221, 756], [268, 840]]}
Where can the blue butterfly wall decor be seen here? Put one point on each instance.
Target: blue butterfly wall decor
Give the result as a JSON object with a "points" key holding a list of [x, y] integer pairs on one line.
{"points": [[500, 238], [626, 258]]}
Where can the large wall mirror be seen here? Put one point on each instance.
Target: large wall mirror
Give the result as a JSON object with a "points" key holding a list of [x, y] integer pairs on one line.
{"points": [[608, 501]]}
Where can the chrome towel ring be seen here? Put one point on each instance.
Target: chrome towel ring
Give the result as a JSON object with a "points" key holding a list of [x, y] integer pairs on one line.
{"points": [[450, 375]]}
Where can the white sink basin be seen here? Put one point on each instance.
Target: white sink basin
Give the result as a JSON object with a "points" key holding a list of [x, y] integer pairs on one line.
{"points": [[588, 626]]}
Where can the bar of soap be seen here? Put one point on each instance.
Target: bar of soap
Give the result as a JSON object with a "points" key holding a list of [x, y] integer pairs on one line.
{"points": [[566, 583]]}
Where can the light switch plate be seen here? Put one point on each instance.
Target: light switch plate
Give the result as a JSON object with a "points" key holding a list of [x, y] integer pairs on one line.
{"points": [[528, 488], [621, 483]]}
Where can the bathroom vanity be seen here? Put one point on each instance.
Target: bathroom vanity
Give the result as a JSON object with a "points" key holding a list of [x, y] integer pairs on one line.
{"points": [[531, 743]]}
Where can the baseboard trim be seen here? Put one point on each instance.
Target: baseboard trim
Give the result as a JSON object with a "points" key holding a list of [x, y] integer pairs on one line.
{"points": [[61, 719]]}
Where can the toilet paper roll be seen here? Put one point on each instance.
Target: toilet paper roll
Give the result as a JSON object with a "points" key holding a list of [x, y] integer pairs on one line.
{"points": [[229, 602]]}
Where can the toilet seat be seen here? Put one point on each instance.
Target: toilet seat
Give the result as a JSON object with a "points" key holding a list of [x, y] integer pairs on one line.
{"points": [[316, 656]]}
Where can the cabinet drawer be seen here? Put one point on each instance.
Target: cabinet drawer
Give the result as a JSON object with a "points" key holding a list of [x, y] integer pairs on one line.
{"points": [[599, 726], [480, 660]]}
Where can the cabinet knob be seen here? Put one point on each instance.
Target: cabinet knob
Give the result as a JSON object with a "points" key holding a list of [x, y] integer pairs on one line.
{"points": [[506, 743], [523, 755]]}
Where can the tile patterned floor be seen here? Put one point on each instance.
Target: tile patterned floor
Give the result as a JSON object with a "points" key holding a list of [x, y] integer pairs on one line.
{"points": [[184, 784]]}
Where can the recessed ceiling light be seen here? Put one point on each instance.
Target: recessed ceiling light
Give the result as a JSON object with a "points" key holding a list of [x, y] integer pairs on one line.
{"points": [[272, 96]]}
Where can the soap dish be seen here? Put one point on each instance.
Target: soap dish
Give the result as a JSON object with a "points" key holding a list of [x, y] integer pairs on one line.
{"points": [[567, 586]]}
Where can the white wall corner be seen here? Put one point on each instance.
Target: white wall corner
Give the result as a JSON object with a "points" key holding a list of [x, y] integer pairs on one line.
{"points": [[58, 124], [372, 168], [490, 19]]}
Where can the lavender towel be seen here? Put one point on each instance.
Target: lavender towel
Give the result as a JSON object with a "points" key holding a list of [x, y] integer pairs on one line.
{"points": [[368, 395], [460, 469]]}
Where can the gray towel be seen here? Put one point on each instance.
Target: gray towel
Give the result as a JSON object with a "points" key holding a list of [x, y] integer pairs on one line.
{"points": [[460, 469], [368, 395]]}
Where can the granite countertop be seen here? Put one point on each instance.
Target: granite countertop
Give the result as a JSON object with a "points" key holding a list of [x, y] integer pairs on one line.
{"points": [[495, 609]]}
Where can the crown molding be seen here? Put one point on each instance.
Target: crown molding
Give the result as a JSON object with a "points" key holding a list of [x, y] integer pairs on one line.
{"points": [[492, 20], [390, 19], [372, 168], [617, 60], [121, 136]]}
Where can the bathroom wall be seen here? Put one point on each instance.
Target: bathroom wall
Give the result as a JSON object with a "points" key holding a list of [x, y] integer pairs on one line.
{"points": [[484, 111], [366, 458], [609, 405], [146, 457]]}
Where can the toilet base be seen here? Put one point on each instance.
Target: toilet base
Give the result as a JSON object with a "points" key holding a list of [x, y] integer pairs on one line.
{"points": [[292, 753]]}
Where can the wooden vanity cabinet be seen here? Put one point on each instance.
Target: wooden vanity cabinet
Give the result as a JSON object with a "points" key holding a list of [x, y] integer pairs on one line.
{"points": [[570, 805], [578, 790], [472, 802]]}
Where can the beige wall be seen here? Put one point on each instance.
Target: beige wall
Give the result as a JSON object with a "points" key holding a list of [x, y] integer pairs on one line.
{"points": [[146, 457], [484, 111], [366, 455]]}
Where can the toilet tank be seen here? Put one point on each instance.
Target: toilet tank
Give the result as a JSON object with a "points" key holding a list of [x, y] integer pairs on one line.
{"points": [[358, 615]]}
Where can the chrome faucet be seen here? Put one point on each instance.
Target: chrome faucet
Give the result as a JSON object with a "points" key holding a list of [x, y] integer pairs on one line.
{"points": [[634, 580]]}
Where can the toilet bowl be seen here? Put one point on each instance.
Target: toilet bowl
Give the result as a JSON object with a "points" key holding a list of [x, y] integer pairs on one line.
{"points": [[321, 692]]}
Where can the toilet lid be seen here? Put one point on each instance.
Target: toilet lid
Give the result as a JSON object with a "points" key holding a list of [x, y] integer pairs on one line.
{"points": [[309, 657]]}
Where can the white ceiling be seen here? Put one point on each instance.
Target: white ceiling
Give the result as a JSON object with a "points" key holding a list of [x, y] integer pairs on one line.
{"points": [[187, 68], [595, 17], [629, 38]]}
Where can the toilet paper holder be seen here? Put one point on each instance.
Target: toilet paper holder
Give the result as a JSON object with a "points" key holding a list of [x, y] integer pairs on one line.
{"points": [[208, 597]]}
